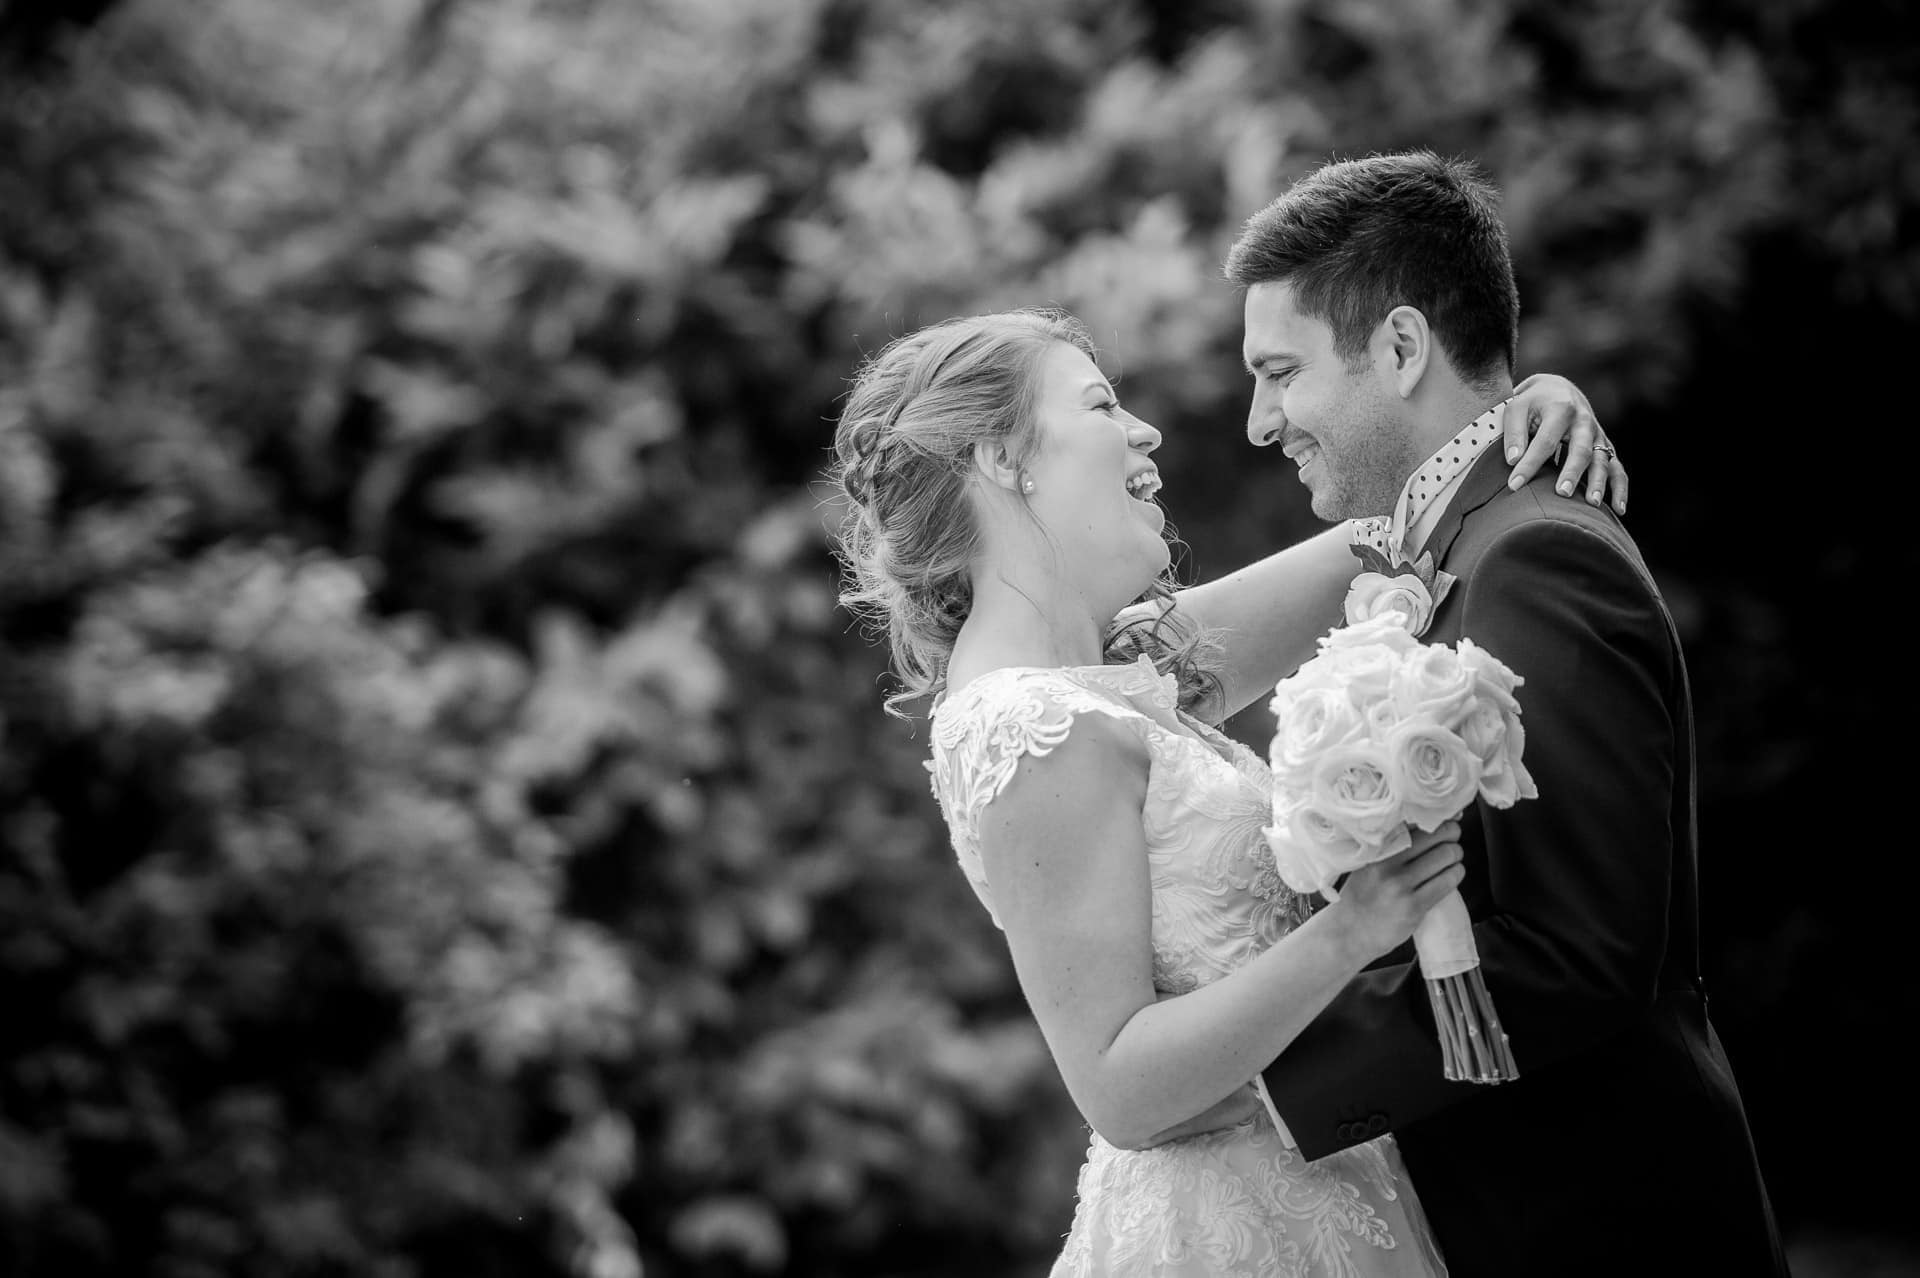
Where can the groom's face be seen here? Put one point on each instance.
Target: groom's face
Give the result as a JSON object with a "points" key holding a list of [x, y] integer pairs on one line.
{"points": [[1338, 423]]}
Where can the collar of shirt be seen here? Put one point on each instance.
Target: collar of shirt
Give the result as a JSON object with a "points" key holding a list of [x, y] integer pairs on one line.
{"points": [[1424, 497]]}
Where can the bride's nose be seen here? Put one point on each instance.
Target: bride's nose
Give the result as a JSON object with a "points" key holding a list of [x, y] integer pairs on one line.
{"points": [[1141, 436]]}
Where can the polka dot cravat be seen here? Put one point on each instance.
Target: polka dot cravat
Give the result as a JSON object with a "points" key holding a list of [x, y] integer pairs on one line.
{"points": [[1434, 478]]}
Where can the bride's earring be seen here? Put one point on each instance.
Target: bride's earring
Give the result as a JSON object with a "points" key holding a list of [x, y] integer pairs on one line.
{"points": [[1026, 485]]}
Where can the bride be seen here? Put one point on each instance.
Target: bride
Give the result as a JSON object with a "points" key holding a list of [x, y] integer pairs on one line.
{"points": [[1001, 515]]}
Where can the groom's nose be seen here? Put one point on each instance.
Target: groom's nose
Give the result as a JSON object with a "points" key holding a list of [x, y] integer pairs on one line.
{"points": [[1265, 421], [1264, 426]]}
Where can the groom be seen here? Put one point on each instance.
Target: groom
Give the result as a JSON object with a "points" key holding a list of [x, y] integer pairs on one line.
{"points": [[1381, 319]]}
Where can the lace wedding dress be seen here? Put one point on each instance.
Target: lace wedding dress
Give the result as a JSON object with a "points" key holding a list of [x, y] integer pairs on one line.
{"points": [[1233, 1202]]}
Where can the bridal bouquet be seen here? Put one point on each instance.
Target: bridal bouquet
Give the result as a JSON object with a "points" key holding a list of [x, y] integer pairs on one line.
{"points": [[1379, 732]]}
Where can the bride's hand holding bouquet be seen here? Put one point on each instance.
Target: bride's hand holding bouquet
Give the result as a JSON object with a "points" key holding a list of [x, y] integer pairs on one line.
{"points": [[1381, 904]]}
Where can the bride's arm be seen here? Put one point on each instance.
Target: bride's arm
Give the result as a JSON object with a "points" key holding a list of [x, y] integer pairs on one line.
{"points": [[1066, 859], [1269, 613]]}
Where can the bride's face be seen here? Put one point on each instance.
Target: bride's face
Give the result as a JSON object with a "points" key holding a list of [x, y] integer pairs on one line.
{"points": [[1093, 482]]}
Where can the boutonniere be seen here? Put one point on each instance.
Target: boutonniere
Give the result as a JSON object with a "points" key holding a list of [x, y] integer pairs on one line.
{"points": [[1386, 585]]}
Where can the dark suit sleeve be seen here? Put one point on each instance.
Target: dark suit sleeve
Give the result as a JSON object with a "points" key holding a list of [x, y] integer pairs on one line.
{"points": [[1572, 938]]}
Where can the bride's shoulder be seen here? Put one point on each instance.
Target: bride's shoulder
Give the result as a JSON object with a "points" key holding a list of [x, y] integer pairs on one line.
{"points": [[1018, 708], [985, 730], [1020, 693], [1071, 687]]}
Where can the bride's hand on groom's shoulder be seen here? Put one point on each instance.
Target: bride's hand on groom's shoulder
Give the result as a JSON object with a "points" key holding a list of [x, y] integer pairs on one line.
{"points": [[1548, 411]]}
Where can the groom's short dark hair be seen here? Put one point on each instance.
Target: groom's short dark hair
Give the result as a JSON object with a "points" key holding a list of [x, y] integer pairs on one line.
{"points": [[1357, 238]]}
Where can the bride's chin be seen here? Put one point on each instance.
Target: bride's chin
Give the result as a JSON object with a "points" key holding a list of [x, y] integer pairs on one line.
{"points": [[1146, 581], [1143, 572]]}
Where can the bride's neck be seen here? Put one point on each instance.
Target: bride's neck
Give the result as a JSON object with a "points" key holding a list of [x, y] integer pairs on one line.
{"points": [[1009, 625]]}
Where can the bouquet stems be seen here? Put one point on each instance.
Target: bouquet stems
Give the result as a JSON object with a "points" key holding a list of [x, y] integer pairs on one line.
{"points": [[1473, 1047]]}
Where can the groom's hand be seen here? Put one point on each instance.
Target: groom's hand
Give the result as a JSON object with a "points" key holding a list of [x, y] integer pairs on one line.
{"points": [[1240, 1105]]}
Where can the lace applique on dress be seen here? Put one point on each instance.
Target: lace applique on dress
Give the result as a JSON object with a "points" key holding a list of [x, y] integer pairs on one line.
{"points": [[980, 736], [1238, 1202]]}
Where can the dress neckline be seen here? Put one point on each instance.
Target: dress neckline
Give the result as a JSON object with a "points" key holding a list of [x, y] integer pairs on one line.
{"points": [[1127, 678]]}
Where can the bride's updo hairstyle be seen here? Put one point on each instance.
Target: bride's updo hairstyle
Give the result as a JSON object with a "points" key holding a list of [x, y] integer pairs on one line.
{"points": [[904, 457]]}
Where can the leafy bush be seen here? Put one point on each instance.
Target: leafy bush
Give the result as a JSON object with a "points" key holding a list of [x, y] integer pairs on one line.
{"points": [[446, 825]]}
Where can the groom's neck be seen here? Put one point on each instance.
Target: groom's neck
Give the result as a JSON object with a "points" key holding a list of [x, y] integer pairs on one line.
{"points": [[1442, 411]]}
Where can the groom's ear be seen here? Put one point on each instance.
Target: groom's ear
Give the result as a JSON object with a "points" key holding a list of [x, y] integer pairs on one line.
{"points": [[996, 466], [1404, 344]]}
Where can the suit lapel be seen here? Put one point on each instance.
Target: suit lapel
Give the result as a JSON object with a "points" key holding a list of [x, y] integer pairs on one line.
{"points": [[1485, 480]]}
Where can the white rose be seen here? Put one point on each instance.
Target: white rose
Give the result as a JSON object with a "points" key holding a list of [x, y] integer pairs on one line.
{"points": [[1312, 850], [1308, 722], [1493, 733], [1433, 681], [1382, 718], [1316, 672], [1434, 772], [1488, 668], [1507, 780], [1353, 788], [1374, 595], [1363, 670], [1388, 631], [1483, 729]]}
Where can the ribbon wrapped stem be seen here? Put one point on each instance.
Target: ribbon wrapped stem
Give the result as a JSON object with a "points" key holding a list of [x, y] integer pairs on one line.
{"points": [[1473, 1047]]}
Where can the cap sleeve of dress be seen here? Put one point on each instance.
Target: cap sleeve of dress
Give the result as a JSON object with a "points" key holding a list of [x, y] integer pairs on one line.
{"points": [[981, 733]]}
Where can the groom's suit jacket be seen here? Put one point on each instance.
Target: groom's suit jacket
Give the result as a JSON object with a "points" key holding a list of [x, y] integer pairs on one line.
{"points": [[1623, 1148]]}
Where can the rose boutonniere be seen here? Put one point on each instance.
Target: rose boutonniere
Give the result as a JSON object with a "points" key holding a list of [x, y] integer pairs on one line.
{"points": [[1386, 585]]}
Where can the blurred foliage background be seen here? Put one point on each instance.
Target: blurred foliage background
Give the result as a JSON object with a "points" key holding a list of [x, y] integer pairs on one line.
{"points": [[446, 826]]}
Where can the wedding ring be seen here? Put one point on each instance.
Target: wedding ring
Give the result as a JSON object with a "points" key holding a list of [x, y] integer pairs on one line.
{"points": [[1604, 448]]}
